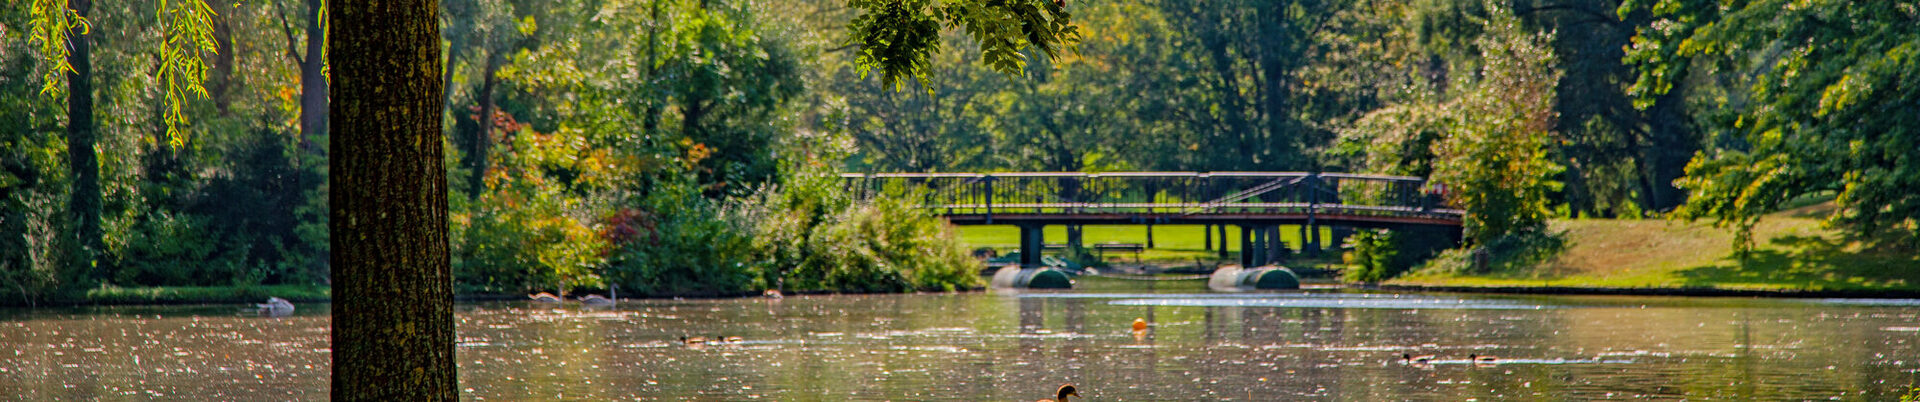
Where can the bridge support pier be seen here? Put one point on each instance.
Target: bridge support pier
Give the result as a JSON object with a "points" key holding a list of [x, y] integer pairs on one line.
{"points": [[1223, 240], [1258, 244], [1273, 245], [1246, 240], [1032, 243]]}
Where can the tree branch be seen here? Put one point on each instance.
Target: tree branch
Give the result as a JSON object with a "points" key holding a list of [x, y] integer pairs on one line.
{"points": [[292, 51], [1521, 12]]}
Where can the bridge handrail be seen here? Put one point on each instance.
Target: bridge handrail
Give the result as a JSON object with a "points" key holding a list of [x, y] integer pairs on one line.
{"points": [[1157, 192]]}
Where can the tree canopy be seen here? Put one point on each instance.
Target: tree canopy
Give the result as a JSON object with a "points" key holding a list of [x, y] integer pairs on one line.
{"points": [[1808, 98]]}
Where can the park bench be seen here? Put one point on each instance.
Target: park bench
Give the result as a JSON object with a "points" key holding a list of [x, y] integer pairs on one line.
{"points": [[1135, 248]]}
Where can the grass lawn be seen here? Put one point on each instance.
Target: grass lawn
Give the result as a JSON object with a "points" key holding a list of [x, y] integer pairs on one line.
{"points": [[1791, 252], [1173, 244]]}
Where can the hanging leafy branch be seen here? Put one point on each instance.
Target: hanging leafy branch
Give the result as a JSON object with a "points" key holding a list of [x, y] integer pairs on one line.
{"points": [[188, 26], [188, 37], [899, 37], [51, 19]]}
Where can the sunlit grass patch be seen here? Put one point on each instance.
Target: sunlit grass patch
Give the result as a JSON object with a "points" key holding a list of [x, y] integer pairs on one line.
{"points": [[1792, 252], [202, 294]]}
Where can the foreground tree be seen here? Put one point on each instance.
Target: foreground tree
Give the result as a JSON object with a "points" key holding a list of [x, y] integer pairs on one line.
{"points": [[393, 285]]}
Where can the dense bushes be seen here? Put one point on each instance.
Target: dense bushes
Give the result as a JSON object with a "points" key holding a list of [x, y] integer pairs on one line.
{"points": [[883, 246], [807, 236], [526, 232], [1505, 254], [1379, 255], [682, 244]]}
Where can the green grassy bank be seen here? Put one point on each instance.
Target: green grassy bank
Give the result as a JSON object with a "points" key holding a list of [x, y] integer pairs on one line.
{"points": [[1792, 253], [112, 295], [1173, 244]]}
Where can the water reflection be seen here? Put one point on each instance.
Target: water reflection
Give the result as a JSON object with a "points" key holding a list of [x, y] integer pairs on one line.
{"points": [[1253, 346]]}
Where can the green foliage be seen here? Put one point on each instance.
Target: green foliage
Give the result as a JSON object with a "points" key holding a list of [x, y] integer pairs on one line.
{"points": [[899, 37], [1810, 105], [1516, 252], [680, 244], [1380, 255], [51, 20], [187, 36], [199, 294], [1494, 159], [883, 246], [525, 233], [1488, 146], [1373, 257]]}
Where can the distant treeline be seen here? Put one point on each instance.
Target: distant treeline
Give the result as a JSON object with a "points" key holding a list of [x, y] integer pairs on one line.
{"points": [[681, 146]]}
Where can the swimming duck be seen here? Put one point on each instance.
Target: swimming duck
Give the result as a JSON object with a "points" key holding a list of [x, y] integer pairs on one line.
{"points": [[698, 340], [1482, 359], [1061, 396], [1139, 324], [544, 297], [275, 307], [1411, 359]]}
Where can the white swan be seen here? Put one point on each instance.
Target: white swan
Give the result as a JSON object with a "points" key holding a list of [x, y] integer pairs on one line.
{"points": [[276, 307]]}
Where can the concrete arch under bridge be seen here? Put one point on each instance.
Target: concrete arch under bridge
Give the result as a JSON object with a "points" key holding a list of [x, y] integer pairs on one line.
{"points": [[1256, 202]]}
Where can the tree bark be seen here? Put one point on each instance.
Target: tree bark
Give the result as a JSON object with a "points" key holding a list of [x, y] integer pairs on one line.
{"points": [[221, 81], [393, 294], [83, 161], [313, 79], [483, 138]]}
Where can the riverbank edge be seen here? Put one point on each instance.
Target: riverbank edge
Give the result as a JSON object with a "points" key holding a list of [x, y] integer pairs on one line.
{"points": [[169, 296], [1653, 291]]}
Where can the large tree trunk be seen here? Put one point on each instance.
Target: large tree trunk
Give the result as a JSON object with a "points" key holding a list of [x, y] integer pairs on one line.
{"points": [[393, 288], [84, 204]]}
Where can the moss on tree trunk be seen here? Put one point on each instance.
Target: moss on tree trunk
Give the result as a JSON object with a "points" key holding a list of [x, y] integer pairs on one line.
{"points": [[393, 300]]}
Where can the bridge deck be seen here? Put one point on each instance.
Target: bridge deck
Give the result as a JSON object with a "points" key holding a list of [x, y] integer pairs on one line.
{"points": [[1255, 201]]}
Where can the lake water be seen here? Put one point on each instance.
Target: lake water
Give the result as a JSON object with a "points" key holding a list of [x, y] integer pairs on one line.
{"points": [[1314, 344]]}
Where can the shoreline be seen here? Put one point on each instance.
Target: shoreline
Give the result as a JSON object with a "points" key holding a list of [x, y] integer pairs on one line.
{"points": [[169, 296], [1486, 290], [1651, 291]]}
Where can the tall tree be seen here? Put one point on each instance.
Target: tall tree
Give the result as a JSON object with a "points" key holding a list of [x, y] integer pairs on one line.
{"points": [[63, 34], [309, 52], [393, 285], [82, 159], [1823, 96]]}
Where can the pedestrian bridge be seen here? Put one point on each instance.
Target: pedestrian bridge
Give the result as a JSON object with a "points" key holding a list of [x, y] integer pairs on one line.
{"points": [[1257, 202]]}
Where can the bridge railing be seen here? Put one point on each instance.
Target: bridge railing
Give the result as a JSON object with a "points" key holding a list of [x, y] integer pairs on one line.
{"points": [[1156, 193]]}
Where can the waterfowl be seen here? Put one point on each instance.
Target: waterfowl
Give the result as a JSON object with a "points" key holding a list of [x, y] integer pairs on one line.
{"points": [[544, 297], [613, 295], [733, 339], [772, 294], [1482, 359], [698, 340], [1139, 324], [1411, 359], [275, 307], [1061, 396]]}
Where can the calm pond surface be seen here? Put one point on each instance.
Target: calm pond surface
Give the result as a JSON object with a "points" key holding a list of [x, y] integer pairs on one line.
{"points": [[1315, 344]]}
